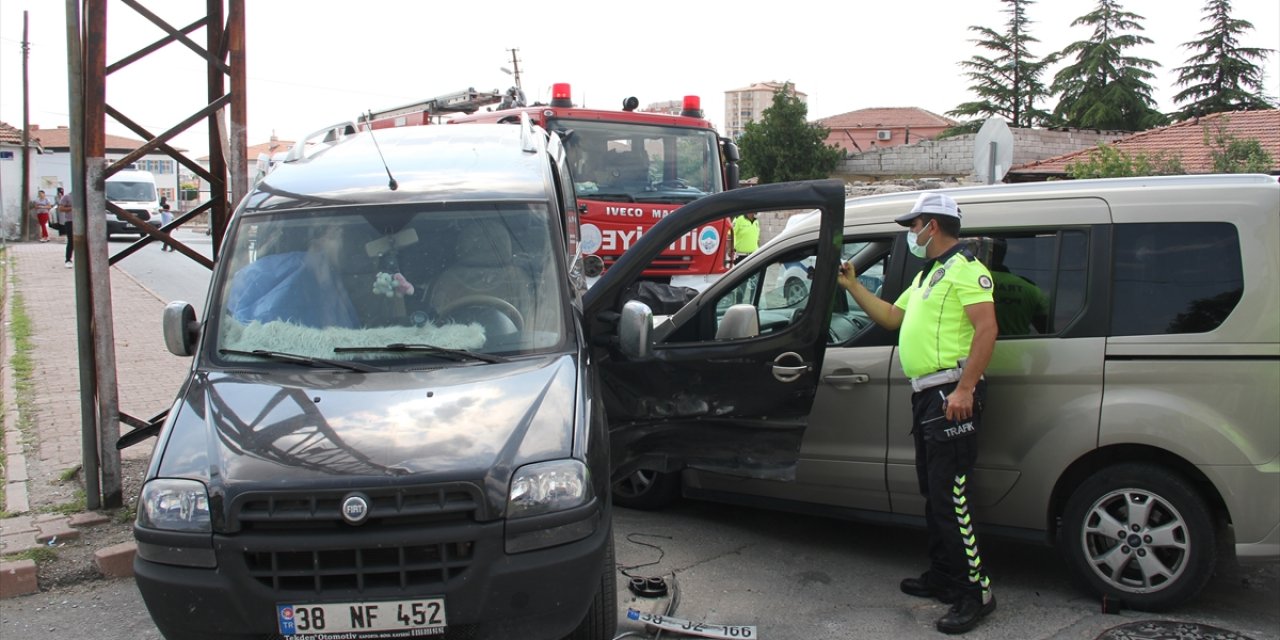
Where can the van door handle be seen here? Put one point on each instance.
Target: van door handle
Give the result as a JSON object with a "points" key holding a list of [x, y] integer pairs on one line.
{"points": [[846, 377], [784, 371]]}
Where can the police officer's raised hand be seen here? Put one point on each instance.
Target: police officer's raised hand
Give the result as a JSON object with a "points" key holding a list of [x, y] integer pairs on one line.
{"points": [[848, 275]]}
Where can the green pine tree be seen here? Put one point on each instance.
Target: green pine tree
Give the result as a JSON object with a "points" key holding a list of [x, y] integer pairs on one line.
{"points": [[1007, 83], [1221, 75], [1104, 88], [784, 146]]}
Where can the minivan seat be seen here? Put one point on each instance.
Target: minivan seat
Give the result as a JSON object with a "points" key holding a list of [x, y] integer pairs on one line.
{"points": [[484, 265]]}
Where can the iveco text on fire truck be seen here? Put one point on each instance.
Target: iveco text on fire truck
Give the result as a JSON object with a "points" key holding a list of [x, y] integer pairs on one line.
{"points": [[630, 169]]}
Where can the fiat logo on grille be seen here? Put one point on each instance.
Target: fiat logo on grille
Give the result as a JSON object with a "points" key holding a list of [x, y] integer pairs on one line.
{"points": [[355, 509]]}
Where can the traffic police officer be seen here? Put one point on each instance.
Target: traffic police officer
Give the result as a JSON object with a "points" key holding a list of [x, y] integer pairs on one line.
{"points": [[948, 330], [746, 236]]}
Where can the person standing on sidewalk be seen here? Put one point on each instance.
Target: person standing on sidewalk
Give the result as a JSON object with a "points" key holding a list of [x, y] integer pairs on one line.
{"points": [[42, 205], [64, 222], [166, 216], [948, 331]]}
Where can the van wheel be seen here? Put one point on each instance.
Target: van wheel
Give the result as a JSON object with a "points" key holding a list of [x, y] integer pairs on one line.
{"points": [[1139, 534], [602, 619], [647, 490]]}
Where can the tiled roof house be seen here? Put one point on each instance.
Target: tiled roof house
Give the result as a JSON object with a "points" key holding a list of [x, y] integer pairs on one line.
{"points": [[10, 135], [1185, 140], [867, 129]]}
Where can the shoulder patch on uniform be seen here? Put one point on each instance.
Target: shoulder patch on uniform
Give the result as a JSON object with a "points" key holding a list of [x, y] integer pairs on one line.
{"points": [[984, 282]]}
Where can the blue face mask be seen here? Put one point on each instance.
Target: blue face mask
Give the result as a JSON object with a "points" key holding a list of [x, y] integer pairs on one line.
{"points": [[916, 249]]}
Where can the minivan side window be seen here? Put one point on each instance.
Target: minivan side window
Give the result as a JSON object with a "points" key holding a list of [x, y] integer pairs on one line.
{"points": [[1169, 278], [1039, 278]]}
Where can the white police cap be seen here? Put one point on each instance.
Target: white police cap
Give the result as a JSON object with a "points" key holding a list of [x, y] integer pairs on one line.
{"points": [[939, 204]]}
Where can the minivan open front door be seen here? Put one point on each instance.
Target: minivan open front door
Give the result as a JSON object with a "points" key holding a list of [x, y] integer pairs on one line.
{"points": [[733, 401]]}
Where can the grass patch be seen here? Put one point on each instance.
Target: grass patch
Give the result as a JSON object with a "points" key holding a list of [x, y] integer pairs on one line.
{"points": [[75, 505], [4, 462], [39, 555], [125, 515], [68, 475]]}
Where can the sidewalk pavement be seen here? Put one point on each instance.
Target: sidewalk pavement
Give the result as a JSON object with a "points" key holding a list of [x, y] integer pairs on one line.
{"points": [[148, 380]]}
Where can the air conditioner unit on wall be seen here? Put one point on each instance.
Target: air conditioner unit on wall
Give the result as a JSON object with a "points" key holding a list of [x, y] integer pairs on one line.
{"points": [[884, 134]]}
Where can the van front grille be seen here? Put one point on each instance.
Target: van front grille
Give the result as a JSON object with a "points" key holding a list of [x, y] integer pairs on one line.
{"points": [[360, 568], [322, 510]]}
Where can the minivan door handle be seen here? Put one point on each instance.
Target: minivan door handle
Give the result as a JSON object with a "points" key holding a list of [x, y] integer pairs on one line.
{"points": [[844, 377], [785, 371]]}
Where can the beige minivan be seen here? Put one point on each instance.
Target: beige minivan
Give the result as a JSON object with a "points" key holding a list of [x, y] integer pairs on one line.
{"points": [[1132, 414]]}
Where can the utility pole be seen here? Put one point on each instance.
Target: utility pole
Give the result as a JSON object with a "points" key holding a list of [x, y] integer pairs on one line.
{"points": [[515, 67], [24, 228]]}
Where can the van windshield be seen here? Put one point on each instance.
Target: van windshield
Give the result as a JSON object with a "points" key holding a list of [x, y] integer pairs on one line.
{"points": [[364, 283], [121, 191]]}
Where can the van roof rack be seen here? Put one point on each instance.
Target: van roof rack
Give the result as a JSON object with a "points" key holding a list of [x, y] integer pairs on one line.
{"points": [[328, 136]]}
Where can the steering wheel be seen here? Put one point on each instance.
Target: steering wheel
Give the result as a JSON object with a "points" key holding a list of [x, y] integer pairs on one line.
{"points": [[480, 299], [675, 183]]}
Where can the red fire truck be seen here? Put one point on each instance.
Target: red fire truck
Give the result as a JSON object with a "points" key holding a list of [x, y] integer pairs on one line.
{"points": [[631, 168]]}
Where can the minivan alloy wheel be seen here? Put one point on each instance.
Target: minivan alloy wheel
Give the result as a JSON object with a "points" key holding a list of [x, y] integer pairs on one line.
{"points": [[1140, 534]]}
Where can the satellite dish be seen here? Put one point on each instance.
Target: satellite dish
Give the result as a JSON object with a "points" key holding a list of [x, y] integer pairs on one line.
{"points": [[992, 150]]}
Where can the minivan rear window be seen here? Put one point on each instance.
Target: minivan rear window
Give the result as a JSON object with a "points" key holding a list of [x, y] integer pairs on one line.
{"points": [[1171, 278]]}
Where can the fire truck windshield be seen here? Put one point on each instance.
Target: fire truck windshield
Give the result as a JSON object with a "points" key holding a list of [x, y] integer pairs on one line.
{"points": [[624, 162]]}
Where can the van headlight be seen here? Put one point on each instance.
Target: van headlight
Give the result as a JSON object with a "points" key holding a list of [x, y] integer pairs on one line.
{"points": [[172, 504], [546, 487]]}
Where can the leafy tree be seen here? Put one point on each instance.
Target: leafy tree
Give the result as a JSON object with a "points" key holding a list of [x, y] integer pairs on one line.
{"points": [[1008, 82], [1109, 162], [784, 146], [1221, 76], [1235, 155], [1103, 88]]}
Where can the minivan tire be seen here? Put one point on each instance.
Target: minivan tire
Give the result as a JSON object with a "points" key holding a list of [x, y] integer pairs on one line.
{"points": [[1169, 548], [647, 490], [602, 618]]}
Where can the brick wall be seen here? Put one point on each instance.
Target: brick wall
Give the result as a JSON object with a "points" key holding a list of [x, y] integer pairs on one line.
{"points": [[953, 157]]}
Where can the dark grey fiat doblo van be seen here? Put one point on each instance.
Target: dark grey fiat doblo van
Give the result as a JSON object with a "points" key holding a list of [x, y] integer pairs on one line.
{"points": [[395, 422]]}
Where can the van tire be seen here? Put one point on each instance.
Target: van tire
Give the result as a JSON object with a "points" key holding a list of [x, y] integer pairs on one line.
{"points": [[1149, 577], [602, 618], [647, 490]]}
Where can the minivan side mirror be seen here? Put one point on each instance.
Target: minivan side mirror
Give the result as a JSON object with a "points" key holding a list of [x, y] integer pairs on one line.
{"points": [[634, 330], [181, 329], [739, 321]]}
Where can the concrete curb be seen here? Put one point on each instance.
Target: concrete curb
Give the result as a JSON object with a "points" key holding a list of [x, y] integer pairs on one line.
{"points": [[17, 578], [15, 486]]}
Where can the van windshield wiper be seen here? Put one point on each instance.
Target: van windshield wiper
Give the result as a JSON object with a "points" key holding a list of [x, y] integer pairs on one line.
{"points": [[430, 349], [294, 358]]}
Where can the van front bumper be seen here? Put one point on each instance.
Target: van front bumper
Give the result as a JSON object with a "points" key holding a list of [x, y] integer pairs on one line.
{"points": [[531, 595]]}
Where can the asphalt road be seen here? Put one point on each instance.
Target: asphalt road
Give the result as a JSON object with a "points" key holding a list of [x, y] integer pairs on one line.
{"points": [[792, 577]]}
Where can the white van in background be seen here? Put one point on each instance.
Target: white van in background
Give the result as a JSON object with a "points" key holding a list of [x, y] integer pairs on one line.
{"points": [[135, 192]]}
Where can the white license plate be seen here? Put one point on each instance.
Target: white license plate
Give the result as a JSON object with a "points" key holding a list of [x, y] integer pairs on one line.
{"points": [[371, 620], [691, 628]]}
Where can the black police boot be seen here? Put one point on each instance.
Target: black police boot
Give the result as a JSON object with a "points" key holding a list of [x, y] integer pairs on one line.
{"points": [[965, 614], [922, 587]]}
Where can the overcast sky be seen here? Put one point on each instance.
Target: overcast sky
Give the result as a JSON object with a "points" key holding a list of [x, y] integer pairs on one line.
{"points": [[312, 63]]}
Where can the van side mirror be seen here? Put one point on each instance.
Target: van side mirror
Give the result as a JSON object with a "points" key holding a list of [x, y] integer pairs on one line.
{"points": [[634, 330], [739, 321], [181, 329]]}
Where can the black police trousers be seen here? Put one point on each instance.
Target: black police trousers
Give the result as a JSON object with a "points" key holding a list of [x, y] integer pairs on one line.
{"points": [[945, 455]]}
